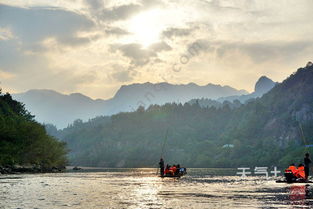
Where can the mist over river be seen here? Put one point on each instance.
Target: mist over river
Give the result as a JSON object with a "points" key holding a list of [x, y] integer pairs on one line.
{"points": [[141, 188]]}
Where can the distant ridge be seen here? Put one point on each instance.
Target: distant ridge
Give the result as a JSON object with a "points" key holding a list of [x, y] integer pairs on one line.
{"points": [[59, 109], [262, 86]]}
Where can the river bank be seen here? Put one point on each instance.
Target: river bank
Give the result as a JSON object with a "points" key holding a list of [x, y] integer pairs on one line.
{"points": [[16, 169]]}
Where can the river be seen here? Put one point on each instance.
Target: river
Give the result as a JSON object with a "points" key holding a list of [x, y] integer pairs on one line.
{"points": [[141, 188]]}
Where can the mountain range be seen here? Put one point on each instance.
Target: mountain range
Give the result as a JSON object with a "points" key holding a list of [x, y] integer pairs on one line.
{"points": [[271, 130], [262, 86], [61, 110]]}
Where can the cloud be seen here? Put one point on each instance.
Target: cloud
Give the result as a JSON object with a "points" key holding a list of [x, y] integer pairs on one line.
{"points": [[176, 32], [123, 76], [161, 46], [23, 55], [14, 59], [265, 51], [116, 31], [33, 25], [5, 34], [5, 75], [200, 45], [94, 5], [258, 51], [138, 55], [120, 12]]}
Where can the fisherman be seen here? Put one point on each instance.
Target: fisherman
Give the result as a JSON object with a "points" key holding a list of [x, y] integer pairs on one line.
{"points": [[177, 170], [307, 162], [300, 173], [161, 163]]}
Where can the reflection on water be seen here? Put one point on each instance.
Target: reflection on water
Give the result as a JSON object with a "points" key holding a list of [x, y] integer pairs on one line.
{"points": [[141, 188], [300, 195]]}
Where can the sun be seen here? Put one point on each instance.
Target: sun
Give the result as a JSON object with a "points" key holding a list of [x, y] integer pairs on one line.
{"points": [[146, 27]]}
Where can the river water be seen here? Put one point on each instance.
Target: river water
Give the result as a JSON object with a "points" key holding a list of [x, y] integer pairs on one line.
{"points": [[141, 188]]}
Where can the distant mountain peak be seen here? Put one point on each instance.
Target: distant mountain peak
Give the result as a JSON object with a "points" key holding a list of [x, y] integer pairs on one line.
{"points": [[263, 85], [310, 64]]}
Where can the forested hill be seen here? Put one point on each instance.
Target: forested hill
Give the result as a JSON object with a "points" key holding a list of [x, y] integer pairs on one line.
{"points": [[263, 132], [24, 142]]}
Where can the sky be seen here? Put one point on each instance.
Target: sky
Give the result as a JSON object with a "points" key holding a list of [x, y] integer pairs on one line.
{"points": [[95, 46]]}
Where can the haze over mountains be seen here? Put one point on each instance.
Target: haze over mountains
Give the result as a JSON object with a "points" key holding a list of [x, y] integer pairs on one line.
{"points": [[59, 109]]}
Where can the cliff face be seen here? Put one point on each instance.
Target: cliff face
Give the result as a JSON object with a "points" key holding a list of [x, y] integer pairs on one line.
{"points": [[262, 86], [285, 108]]}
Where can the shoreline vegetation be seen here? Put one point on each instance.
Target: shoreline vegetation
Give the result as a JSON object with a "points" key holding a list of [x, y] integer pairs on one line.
{"points": [[16, 169], [25, 145]]}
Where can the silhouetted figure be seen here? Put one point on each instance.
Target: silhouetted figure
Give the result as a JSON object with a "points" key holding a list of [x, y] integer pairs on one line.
{"points": [[161, 164], [177, 169], [307, 162]]}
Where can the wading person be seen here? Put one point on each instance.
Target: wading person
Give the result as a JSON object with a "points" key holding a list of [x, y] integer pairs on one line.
{"points": [[161, 164], [307, 162]]}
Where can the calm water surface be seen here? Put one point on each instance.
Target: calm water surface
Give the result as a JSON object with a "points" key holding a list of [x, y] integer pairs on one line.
{"points": [[141, 188]]}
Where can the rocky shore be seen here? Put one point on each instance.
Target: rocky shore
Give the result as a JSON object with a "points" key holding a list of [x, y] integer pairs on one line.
{"points": [[15, 169]]}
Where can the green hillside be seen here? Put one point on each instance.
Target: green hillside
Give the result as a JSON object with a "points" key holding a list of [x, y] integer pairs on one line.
{"points": [[263, 132], [24, 142]]}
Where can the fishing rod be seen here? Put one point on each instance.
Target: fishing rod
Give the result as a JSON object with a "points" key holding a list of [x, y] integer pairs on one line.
{"points": [[163, 148], [303, 137], [307, 146]]}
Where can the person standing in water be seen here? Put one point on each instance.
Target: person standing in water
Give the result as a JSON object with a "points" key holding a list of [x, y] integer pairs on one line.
{"points": [[161, 164], [307, 162]]}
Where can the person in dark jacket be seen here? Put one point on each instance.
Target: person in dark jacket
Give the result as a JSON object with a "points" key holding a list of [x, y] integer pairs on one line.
{"points": [[161, 164], [307, 162]]}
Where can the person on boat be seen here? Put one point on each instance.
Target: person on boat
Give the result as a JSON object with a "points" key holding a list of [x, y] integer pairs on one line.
{"points": [[183, 170], [300, 173], [161, 164], [173, 170], [177, 170], [167, 170], [291, 173], [292, 168], [307, 162]]}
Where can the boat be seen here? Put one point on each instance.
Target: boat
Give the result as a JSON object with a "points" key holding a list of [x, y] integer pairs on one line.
{"points": [[182, 172], [290, 178]]}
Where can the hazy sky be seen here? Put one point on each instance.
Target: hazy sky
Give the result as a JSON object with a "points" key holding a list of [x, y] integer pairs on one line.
{"points": [[95, 46]]}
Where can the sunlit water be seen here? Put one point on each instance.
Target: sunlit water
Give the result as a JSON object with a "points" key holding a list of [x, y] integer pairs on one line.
{"points": [[141, 188]]}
